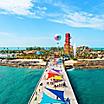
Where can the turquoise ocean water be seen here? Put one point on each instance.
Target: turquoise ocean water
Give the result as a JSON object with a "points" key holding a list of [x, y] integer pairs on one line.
{"points": [[98, 49], [17, 85], [88, 85]]}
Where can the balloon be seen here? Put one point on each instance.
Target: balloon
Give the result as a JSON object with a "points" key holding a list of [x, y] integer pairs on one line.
{"points": [[57, 37]]}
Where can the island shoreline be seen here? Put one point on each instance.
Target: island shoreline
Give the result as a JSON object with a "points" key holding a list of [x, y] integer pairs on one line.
{"points": [[76, 64], [24, 63]]}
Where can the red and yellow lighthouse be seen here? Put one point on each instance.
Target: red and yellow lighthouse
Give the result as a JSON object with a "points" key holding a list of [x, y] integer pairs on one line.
{"points": [[67, 44]]}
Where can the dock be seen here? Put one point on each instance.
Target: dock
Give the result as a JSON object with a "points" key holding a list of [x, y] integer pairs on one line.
{"points": [[54, 86]]}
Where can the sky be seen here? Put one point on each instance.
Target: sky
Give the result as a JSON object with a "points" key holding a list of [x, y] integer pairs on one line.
{"points": [[25, 23]]}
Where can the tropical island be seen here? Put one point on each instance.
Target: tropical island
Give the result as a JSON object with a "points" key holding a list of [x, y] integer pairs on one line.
{"points": [[37, 57]]}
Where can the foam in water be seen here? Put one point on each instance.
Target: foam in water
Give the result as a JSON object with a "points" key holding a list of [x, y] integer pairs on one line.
{"points": [[71, 69]]}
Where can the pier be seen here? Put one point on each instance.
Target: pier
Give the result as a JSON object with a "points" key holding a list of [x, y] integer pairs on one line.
{"points": [[54, 86]]}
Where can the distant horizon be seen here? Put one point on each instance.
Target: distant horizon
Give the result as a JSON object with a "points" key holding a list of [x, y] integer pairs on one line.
{"points": [[40, 46]]}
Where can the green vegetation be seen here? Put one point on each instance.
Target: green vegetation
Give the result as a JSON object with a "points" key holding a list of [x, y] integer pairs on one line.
{"points": [[45, 53]]}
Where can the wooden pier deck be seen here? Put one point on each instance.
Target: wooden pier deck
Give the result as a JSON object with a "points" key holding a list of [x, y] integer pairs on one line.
{"points": [[54, 86]]}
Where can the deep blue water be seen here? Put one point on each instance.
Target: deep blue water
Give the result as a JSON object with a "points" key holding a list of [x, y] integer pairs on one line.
{"points": [[88, 85], [17, 84]]}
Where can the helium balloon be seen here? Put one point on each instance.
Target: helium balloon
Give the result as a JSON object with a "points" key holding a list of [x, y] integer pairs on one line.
{"points": [[57, 37]]}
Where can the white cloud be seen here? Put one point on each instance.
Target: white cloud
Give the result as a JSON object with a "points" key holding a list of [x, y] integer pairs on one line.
{"points": [[74, 17], [80, 19], [69, 14], [20, 7], [5, 33]]}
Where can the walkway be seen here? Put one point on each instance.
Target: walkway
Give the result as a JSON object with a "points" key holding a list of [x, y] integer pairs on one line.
{"points": [[54, 86]]}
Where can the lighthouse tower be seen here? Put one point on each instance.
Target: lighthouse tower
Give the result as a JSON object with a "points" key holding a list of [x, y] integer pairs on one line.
{"points": [[67, 44]]}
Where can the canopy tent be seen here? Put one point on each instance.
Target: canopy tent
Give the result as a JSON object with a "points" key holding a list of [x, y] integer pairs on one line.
{"points": [[58, 71], [51, 74], [48, 100], [58, 93], [58, 77], [52, 71]]}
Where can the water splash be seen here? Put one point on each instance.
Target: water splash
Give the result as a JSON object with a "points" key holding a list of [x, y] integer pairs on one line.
{"points": [[74, 50]]}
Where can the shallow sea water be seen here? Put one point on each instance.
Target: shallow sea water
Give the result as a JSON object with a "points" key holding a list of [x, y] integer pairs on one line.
{"points": [[17, 84], [88, 85]]}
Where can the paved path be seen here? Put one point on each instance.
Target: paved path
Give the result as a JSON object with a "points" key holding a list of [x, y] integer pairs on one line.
{"points": [[54, 86]]}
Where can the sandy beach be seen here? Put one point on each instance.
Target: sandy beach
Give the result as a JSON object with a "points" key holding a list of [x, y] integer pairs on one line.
{"points": [[25, 63]]}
